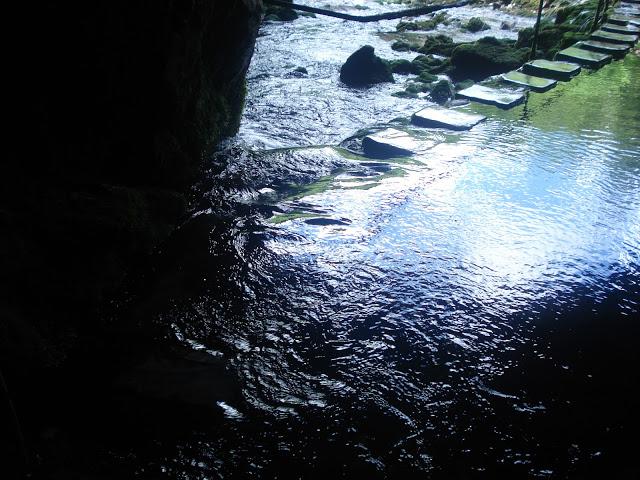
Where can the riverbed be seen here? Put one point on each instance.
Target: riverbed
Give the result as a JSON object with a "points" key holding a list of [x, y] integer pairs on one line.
{"points": [[467, 312]]}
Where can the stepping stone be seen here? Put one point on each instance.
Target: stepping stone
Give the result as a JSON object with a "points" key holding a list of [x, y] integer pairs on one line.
{"points": [[536, 84], [583, 57], [611, 37], [624, 20], [618, 50], [389, 143], [501, 98], [444, 118], [551, 69], [625, 29]]}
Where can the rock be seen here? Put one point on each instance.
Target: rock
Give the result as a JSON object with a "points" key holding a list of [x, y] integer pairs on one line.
{"points": [[537, 84], [507, 26], [475, 24], [442, 92], [389, 143], [502, 98], [439, 45], [488, 56], [550, 69], [437, 117], [282, 14], [583, 57], [615, 49], [611, 37], [364, 68], [403, 67], [400, 46], [430, 64], [300, 71], [464, 84]]}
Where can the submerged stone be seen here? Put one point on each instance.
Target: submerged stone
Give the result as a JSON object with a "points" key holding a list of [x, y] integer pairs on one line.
{"points": [[583, 57], [551, 69], [611, 37], [436, 117], [537, 84], [364, 68], [501, 98], [389, 143], [618, 50]]}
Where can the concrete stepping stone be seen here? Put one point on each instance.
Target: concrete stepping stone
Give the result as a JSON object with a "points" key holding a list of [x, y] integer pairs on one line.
{"points": [[617, 50], [611, 37], [586, 58], [389, 143], [624, 20], [552, 69], [435, 117], [624, 29], [501, 98], [537, 84]]}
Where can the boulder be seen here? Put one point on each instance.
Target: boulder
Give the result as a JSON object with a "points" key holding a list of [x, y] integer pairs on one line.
{"points": [[442, 92], [488, 56], [364, 68]]}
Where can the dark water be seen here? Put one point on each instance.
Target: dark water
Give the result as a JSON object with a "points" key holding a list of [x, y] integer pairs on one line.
{"points": [[469, 312]]}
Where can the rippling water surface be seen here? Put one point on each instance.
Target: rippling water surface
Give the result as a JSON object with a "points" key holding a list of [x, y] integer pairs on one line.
{"points": [[468, 312]]}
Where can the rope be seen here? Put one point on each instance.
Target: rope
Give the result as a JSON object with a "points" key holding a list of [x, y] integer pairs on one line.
{"points": [[413, 12]]}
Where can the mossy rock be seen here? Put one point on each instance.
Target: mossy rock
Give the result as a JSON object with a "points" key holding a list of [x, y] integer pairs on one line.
{"points": [[476, 24], [401, 46], [424, 25], [364, 68], [439, 45], [427, 77], [418, 87], [486, 57], [405, 94], [442, 92], [461, 85], [424, 63], [402, 67]]}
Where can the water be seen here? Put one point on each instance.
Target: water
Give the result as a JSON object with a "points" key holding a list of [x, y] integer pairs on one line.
{"points": [[469, 312]]}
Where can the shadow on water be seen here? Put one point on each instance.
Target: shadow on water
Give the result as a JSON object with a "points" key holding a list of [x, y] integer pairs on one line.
{"points": [[470, 312]]}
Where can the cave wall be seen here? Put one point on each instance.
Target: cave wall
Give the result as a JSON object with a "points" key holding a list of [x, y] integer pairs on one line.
{"points": [[114, 106]]}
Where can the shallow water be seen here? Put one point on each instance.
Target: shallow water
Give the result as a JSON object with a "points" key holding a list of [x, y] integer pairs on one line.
{"points": [[468, 312]]}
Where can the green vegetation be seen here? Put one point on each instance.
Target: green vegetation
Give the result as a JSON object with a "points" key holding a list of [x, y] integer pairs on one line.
{"points": [[475, 24], [424, 25]]}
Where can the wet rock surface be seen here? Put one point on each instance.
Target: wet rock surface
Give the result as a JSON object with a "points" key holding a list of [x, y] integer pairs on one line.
{"points": [[364, 68]]}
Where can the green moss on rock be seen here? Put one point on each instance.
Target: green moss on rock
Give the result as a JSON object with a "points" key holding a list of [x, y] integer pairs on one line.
{"points": [[488, 56]]}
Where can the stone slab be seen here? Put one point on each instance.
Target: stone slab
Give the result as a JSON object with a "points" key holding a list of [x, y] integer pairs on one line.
{"points": [[552, 69], [586, 58], [501, 98], [537, 84], [611, 37], [624, 29], [618, 50], [446, 118], [624, 20], [389, 143]]}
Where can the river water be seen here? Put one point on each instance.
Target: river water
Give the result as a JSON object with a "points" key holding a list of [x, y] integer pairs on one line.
{"points": [[468, 312]]}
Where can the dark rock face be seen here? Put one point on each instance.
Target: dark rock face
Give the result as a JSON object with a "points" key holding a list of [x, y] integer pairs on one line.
{"points": [[486, 57], [364, 68], [119, 102]]}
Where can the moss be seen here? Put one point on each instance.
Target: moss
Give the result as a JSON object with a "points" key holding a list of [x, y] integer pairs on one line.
{"points": [[488, 56], [551, 38], [464, 84], [475, 24], [427, 77], [364, 68], [439, 45], [442, 91], [424, 25], [403, 67], [401, 46], [405, 94], [430, 64]]}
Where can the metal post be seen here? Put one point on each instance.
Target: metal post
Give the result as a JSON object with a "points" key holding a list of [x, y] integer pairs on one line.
{"points": [[596, 18], [536, 31]]}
